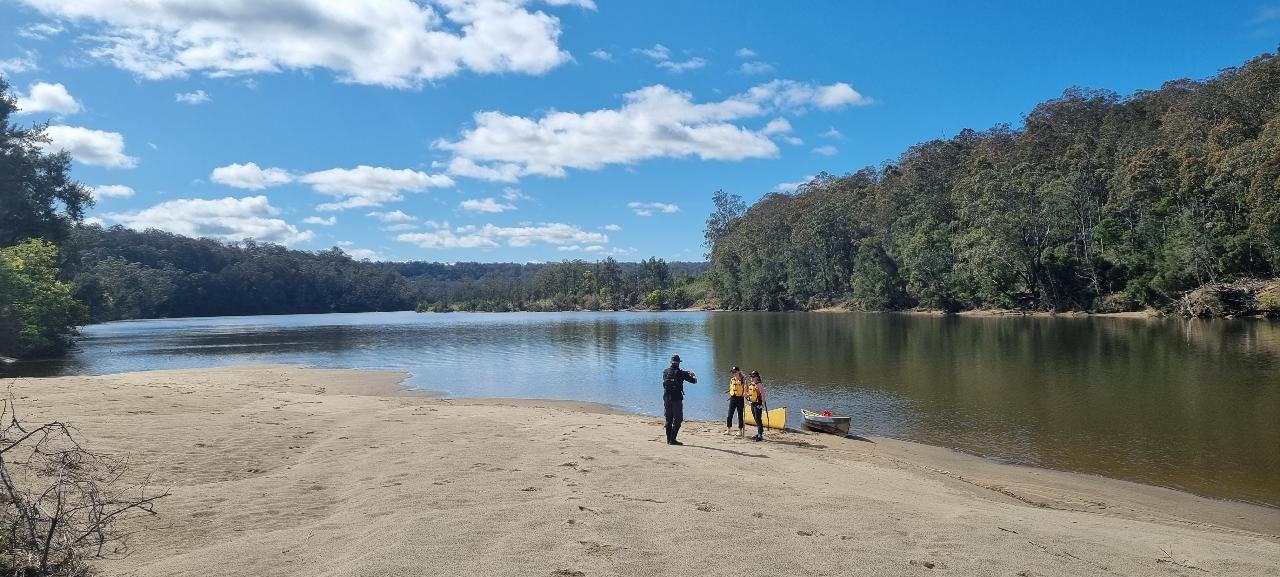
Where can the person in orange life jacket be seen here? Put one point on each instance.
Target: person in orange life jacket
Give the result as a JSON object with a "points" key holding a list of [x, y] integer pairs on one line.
{"points": [[755, 396], [737, 388], [673, 380]]}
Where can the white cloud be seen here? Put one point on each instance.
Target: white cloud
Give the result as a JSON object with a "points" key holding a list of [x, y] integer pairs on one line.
{"points": [[111, 191], [612, 228], [658, 52], [18, 64], [491, 236], [833, 134], [754, 67], [690, 64], [197, 97], [595, 249], [400, 227], [498, 172], [362, 253], [487, 205], [321, 220], [250, 176], [398, 43], [662, 55], [226, 219], [40, 30], [827, 150], [514, 194], [840, 94], [791, 186], [45, 97], [602, 55], [792, 140], [392, 216], [587, 4], [792, 96], [778, 125], [91, 147], [369, 186], [649, 208], [653, 122], [745, 53]]}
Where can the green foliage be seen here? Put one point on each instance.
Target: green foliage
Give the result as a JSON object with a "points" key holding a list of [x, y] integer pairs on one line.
{"points": [[656, 299], [1269, 300], [38, 315], [125, 274], [728, 208], [38, 199], [875, 284], [1095, 202]]}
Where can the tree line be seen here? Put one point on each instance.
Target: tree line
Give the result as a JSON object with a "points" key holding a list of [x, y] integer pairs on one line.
{"points": [[105, 274], [126, 274], [1096, 202]]}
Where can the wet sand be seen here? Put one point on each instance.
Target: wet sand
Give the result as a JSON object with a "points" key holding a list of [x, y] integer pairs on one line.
{"points": [[279, 470]]}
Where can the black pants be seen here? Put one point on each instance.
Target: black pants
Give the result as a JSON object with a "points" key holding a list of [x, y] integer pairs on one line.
{"points": [[673, 410], [756, 412], [735, 405]]}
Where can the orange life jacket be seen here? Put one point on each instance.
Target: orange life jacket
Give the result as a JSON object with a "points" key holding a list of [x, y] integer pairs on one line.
{"points": [[753, 395]]}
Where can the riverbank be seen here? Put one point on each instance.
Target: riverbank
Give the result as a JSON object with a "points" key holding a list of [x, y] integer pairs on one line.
{"points": [[1142, 314], [279, 470]]}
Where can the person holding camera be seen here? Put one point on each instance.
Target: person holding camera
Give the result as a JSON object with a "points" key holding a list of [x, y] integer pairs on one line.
{"points": [[673, 380]]}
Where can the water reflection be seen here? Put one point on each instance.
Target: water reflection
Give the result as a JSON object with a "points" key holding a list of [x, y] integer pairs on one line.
{"points": [[1190, 404]]}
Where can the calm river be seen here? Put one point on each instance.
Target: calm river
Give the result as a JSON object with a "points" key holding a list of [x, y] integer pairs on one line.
{"points": [[1187, 404]]}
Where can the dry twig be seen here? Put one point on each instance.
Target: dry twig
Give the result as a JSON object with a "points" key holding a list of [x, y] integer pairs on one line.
{"points": [[61, 503]]}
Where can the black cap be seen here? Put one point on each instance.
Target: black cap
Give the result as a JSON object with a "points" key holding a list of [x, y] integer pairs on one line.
{"points": [[733, 370], [675, 358], [755, 373]]}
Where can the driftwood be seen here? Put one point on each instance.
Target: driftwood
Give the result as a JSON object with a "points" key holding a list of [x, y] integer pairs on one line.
{"points": [[1247, 297], [60, 503]]}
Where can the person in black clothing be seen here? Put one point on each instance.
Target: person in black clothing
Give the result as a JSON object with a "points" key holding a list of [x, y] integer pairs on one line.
{"points": [[673, 380], [737, 388]]}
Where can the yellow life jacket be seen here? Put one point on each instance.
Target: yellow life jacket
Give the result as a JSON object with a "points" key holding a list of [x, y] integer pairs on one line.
{"points": [[735, 387], [753, 395]]}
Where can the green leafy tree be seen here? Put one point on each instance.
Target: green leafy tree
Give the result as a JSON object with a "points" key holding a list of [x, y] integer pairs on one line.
{"points": [[38, 315], [1095, 200], [38, 198]]}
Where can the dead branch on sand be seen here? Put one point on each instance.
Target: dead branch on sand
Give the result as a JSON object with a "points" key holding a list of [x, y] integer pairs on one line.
{"points": [[60, 503]]}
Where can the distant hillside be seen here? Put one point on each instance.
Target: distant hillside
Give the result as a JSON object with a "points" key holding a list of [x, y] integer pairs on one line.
{"points": [[1096, 202], [126, 274]]}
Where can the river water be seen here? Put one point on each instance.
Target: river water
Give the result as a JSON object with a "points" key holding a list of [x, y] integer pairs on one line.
{"points": [[1189, 404]]}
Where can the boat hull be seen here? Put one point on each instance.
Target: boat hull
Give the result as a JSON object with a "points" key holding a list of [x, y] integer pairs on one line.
{"points": [[773, 419], [832, 425]]}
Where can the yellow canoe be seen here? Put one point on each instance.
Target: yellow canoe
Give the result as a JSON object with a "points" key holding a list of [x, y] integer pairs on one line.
{"points": [[773, 419]]}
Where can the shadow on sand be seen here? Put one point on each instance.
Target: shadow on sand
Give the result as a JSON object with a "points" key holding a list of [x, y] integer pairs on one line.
{"points": [[730, 451]]}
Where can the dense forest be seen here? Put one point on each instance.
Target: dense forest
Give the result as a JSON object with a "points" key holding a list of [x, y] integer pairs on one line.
{"points": [[1096, 202]]}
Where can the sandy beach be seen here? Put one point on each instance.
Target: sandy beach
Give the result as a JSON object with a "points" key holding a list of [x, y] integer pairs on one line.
{"points": [[279, 470]]}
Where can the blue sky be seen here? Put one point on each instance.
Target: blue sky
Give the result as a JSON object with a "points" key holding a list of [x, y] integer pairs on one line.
{"points": [[503, 130]]}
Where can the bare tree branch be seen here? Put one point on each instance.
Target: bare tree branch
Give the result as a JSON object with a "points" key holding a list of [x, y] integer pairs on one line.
{"points": [[61, 503]]}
